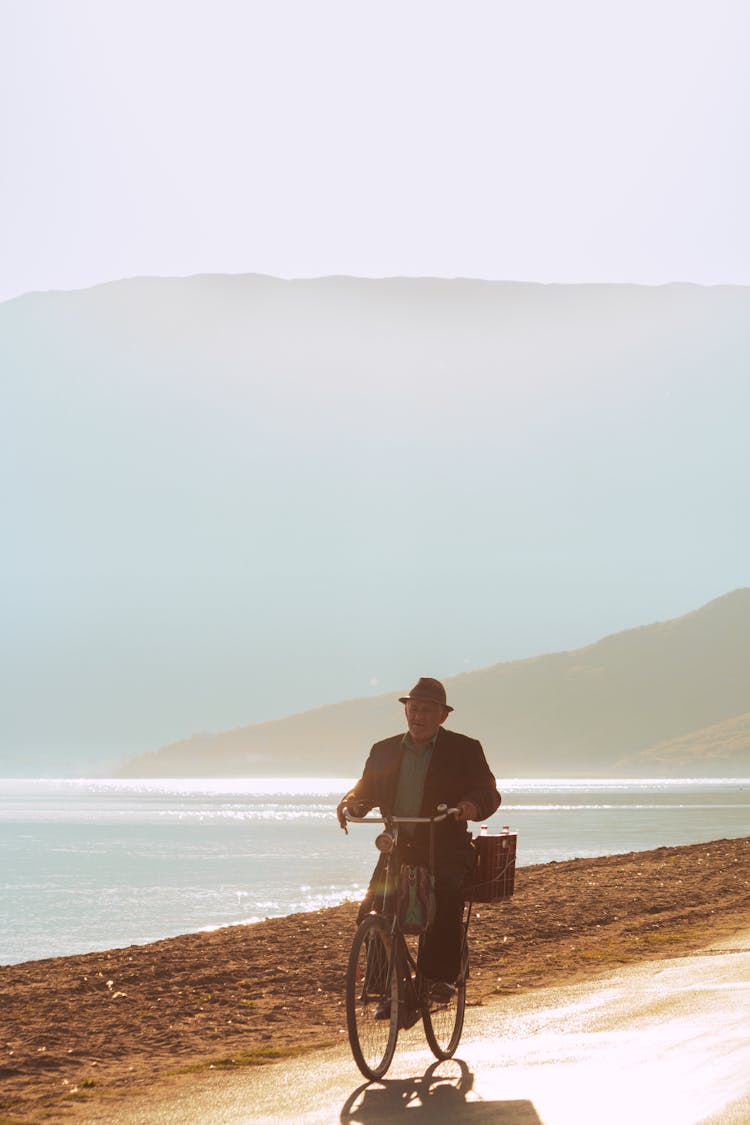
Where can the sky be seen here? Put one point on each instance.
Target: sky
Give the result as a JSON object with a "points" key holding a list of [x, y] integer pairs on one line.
{"points": [[549, 142]]}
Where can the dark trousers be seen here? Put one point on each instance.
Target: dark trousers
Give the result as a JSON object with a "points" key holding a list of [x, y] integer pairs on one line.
{"points": [[441, 949]]}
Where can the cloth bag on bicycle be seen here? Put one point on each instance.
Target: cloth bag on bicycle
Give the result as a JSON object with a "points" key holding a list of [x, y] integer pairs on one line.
{"points": [[415, 898]]}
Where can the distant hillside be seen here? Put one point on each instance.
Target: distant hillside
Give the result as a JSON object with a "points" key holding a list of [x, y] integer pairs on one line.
{"points": [[233, 498], [671, 698]]}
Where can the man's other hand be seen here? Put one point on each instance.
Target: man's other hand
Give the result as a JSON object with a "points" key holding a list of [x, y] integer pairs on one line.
{"points": [[467, 810], [349, 804]]}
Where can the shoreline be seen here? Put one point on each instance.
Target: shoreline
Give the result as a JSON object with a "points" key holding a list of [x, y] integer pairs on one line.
{"points": [[96, 915], [84, 1028]]}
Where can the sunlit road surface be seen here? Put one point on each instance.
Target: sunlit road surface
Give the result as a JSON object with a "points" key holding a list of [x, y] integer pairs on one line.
{"points": [[664, 1042]]}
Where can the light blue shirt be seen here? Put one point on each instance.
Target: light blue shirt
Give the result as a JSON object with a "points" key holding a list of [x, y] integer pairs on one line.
{"points": [[411, 779]]}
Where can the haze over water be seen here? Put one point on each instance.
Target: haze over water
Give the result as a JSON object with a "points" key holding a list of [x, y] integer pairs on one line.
{"points": [[98, 864]]}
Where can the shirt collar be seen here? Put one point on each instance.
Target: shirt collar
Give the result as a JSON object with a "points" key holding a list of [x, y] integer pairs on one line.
{"points": [[409, 744]]}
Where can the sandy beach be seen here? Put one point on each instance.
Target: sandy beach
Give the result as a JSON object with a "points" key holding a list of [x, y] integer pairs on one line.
{"points": [[82, 1030]]}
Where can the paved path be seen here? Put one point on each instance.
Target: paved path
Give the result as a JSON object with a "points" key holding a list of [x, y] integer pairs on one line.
{"points": [[664, 1042]]}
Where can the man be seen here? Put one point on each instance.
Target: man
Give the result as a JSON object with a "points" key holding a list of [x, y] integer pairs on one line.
{"points": [[410, 775]]}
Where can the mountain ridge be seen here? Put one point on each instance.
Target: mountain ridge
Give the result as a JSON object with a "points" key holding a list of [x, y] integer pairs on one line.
{"points": [[222, 486]]}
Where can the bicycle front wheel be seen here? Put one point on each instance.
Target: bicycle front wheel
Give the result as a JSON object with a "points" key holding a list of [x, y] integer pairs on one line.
{"points": [[443, 1022], [372, 998]]}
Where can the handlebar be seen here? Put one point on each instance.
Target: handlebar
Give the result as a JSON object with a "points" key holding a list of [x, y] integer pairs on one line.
{"points": [[442, 814]]}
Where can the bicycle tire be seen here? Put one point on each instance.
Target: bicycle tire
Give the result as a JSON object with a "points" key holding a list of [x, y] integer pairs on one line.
{"points": [[443, 1023], [370, 982]]}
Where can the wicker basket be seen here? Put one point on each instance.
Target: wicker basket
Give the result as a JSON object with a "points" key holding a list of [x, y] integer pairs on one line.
{"points": [[495, 869]]}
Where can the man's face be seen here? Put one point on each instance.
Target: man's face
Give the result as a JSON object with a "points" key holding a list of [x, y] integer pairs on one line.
{"points": [[423, 719]]}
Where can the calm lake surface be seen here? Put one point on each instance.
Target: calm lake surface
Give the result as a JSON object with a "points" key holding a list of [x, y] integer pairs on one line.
{"points": [[96, 864]]}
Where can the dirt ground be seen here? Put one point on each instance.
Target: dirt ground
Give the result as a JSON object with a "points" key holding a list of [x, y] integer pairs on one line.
{"points": [[79, 1029]]}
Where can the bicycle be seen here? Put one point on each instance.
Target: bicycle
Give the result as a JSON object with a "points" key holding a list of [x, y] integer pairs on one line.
{"points": [[385, 988]]}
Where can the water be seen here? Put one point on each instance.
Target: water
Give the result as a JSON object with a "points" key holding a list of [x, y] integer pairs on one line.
{"points": [[91, 865]]}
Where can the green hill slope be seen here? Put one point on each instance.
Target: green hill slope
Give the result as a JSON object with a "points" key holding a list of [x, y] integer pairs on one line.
{"points": [[723, 748], [669, 697]]}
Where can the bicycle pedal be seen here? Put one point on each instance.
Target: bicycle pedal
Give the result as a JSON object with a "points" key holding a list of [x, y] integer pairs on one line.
{"points": [[408, 1017]]}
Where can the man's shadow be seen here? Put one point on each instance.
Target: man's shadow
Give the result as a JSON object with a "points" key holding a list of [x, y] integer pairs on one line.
{"points": [[437, 1098]]}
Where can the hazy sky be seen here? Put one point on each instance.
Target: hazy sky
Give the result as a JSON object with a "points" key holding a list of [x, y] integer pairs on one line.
{"points": [[537, 141]]}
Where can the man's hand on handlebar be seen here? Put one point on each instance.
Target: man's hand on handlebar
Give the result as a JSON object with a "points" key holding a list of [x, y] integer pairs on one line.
{"points": [[467, 810], [349, 804]]}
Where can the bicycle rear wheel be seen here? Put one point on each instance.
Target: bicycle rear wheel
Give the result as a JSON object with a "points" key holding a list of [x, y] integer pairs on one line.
{"points": [[443, 1023], [372, 998]]}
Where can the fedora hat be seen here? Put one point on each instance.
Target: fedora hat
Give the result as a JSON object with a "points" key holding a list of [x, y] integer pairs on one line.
{"points": [[432, 691]]}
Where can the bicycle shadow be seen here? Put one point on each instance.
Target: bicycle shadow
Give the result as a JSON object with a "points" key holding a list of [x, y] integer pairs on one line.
{"points": [[439, 1099]]}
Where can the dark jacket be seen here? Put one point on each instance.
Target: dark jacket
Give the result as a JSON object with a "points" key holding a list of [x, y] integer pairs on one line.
{"points": [[458, 771]]}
